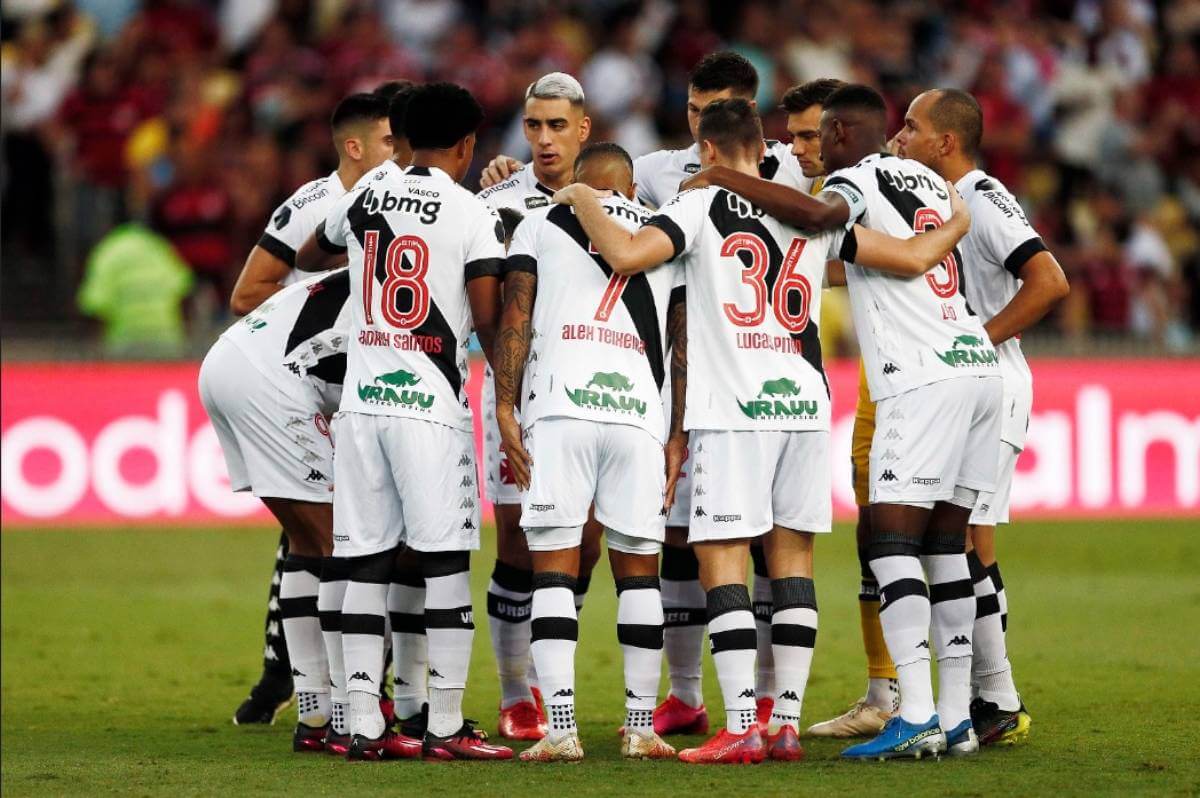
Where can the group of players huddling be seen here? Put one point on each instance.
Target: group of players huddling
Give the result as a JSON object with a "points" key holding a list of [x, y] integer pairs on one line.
{"points": [[655, 381]]}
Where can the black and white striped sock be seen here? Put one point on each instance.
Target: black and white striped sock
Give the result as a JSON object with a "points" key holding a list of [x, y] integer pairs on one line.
{"points": [[302, 630], [275, 654], [991, 671], [508, 599], [410, 653], [683, 623], [555, 634], [364, 624], [449, 629], [764, 676], [952, 605], [793, 636], [904, 614], [640, 633], [734, 642], [330, 596]]}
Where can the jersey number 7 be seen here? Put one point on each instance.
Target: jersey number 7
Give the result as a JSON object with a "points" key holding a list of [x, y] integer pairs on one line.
{"points": [[787, 283], [401, 275]]}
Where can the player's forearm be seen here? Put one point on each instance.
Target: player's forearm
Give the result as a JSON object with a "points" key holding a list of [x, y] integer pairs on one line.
{"points": [[312, 257], [1044, 286], [779, 201], [909, 257], [511, 348], [611, 240], [260, 277], [677, 329], [248, 296]]}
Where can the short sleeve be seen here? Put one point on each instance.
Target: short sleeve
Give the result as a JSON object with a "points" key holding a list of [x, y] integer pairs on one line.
{"points": [[332, 235], [849, 184], [522, 250], [1004, 235], [484, 256], [682, 219]]}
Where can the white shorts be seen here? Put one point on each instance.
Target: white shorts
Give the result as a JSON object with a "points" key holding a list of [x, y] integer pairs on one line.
{"points": [[930, 439], [403, 480], [276, 442], [680, 514], [557, 538], [745, 482], [992, 508], [576, 463], [499, 485]]}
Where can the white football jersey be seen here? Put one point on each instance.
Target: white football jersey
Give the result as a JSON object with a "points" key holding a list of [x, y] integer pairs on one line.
{"points": [[912, 330], [300, 332], [414, 240], [296, 219], [999, 243], [658, 174], [599, 350], [753, 305], [522, 192]]}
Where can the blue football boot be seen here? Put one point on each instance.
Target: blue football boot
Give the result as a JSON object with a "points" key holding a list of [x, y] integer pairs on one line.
{"points": [[900, 738]]}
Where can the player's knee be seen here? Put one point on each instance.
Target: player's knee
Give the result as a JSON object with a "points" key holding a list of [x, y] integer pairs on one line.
{"points": [[370, 568], [435, 564], [893, 544]]}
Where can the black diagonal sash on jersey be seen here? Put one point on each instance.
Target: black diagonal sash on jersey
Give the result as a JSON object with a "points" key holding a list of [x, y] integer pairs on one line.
{"points": [[637, 296], [770, 164], [907, 204], [326, 298], [435, 323], [727, 223]]}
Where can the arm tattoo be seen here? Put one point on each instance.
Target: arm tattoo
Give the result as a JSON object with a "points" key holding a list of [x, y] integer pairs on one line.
{"points": [[516, 333], [677, 335]]}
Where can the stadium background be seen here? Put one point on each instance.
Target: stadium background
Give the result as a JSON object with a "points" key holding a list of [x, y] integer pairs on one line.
{"points": [[195, 119]]}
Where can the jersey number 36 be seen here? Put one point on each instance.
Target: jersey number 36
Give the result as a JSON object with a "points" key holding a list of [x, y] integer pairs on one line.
{"points": [[788, 284], [404, 277]]}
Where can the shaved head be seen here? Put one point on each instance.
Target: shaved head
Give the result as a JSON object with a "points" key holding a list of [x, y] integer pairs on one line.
{"points": [[853, 126]]}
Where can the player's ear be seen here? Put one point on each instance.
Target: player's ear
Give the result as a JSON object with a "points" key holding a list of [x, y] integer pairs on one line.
{"points": [[585, 129], [707, 152], [632, 192], [353, 148]]}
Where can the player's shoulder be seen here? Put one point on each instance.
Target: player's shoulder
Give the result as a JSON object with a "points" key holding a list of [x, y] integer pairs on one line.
{"points": [[984, 191], [511, 185], [693, 195], [622, 208]]}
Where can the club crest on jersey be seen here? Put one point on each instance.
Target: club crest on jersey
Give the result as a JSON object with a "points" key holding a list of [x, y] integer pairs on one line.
{"points": [[969, 354], [389, 389], [691, 168], [613, 385], [774, 401]]}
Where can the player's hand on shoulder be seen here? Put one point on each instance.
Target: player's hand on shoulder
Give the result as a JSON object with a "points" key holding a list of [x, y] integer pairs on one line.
{"points": [[702, 179], [569, 195], [958, 206], [500, 169]]}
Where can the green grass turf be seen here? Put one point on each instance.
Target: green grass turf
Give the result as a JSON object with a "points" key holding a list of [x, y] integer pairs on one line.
{"points": [[125, 652]]}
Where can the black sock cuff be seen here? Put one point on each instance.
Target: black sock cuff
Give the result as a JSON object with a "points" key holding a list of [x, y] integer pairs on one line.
{"points": [[638, 583], [444, 563], [892, 544], [334, 569], [375, 569], [759, 557], [978, 571], [792, 592], [294, 562], [512, 578], [944, 543], [407, 577], [727, 598], [994, 572], [554, 579], [679, 564]]}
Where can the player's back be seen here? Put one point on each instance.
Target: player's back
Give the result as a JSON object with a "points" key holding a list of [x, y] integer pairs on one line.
{"points": [[753, 300], [913, 330], [414, 239], [599, 349]]}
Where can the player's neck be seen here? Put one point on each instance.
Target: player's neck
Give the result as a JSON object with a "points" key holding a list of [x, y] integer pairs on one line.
{"points": [[552, 183], [348, 172], [953, 169], [439, 159]]}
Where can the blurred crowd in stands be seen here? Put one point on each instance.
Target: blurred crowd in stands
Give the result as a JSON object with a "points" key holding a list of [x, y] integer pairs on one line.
{"points": [[194, 118]]}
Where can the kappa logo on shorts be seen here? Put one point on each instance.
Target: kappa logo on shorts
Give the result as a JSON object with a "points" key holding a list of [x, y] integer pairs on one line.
{"points": [[959, 640], [922, 644], [467, 524], [433, 674], [361, 676], [890, 368], [296, 672], [926, 481], [726, 519], [467, 504], [699, 470], [465, 460], [294, 368], [700, 512], [532, 396], [887, 476], [466, 482], [315, 476], [983, 508], [890, 454], [699, 447], [541, 508], [893, 435], [896, 415], [700, 491]]}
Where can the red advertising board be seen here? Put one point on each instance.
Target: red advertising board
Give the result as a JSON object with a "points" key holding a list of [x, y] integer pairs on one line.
{"points": [[109, 443]]}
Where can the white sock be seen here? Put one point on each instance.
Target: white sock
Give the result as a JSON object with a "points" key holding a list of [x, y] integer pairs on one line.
{"points": [[330, 596], [302, 632], [445, 710], [733, 639], [509, 595], [449, 628], [904, 614], [952, 602], [363, 629], [683, 626], [555, 634], [991, 672], [640, 633], [365, 717], [793, 634], [410, 653], [883, 693]]}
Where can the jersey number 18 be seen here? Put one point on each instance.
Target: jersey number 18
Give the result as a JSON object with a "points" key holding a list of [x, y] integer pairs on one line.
{"points": [[402, 275]]}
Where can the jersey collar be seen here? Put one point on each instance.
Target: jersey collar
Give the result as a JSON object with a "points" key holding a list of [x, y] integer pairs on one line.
{"points": [[427, 171], [969, 179]]}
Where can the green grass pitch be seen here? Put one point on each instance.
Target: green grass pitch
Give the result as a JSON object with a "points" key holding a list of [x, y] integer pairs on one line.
{"points": [[125, 652]]}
